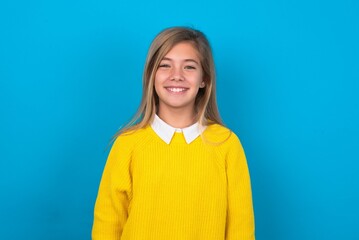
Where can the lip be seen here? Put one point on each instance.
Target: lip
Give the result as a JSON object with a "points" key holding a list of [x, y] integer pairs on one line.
{"points": [[179, 89], [175, 87]]}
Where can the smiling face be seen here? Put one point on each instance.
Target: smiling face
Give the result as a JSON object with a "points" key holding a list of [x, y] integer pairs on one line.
{"points": [[178, 79]]}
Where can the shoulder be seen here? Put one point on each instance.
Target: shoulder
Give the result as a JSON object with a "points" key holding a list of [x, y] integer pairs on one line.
{"points": [[220, 134], [129, 139]]}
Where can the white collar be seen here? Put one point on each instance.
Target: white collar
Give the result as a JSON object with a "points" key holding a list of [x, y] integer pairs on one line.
{"points": [[166, 132]]}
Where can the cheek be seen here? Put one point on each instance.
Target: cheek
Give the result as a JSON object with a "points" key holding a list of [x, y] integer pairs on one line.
{"points": [[199, 79], [159, 77], [199, 76]]}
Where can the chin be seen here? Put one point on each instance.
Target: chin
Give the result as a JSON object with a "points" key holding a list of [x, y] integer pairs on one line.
{"points": [[177, 105]]}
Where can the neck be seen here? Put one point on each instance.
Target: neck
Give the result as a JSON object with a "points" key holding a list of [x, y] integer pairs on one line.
{"points": [[177, 118]]}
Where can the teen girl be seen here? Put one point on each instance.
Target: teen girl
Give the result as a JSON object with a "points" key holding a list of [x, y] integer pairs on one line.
{"points": [[175, 172]]}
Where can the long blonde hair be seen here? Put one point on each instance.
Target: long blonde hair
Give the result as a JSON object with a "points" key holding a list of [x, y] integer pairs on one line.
{"points": [[205, 103]]}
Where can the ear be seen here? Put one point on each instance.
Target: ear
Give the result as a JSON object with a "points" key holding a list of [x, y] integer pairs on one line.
{"points": [[202, 85]]}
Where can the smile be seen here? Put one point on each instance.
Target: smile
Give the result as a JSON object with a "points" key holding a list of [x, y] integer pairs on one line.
{"points": [[176, 90]]}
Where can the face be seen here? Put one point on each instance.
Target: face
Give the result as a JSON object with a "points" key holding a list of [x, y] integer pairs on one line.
{"points": [[178, 78]]}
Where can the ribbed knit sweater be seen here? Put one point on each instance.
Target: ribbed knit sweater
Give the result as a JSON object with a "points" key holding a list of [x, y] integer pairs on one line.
{"points": [[151, 190]]}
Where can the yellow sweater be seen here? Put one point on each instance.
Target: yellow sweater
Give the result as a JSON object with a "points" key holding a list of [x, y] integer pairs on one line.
{"points": [[151, 190]]}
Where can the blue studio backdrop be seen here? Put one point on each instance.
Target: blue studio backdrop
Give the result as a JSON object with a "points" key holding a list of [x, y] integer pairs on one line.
{"points": [[288, 84]]}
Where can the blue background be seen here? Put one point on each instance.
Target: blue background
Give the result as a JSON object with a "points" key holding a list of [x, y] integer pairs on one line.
{"points": [[288, 84]]}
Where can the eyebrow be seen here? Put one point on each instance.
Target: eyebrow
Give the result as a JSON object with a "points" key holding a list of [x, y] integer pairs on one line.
{"points": [[186, 60]]}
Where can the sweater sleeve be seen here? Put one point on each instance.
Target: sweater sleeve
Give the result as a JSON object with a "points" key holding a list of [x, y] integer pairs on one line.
{"points": [[240, 215], [114, 194]]}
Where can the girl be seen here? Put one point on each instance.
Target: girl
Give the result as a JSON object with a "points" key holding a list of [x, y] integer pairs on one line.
{"points": [[175, 172]]}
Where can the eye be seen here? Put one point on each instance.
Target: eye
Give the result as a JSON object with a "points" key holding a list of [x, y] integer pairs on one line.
{"points": [[164, 65], [190, 67]]}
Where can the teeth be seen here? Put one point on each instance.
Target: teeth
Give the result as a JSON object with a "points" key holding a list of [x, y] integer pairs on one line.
{"points": [[176, 89]]}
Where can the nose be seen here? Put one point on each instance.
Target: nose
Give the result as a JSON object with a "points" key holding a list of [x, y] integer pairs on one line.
{"points": [[177, 74]]}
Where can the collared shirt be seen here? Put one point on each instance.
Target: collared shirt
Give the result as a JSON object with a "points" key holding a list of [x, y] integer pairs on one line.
{"points": [[166, 131]]}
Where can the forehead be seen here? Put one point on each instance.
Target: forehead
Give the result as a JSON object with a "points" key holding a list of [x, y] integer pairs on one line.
{"points": [[183, 50]]}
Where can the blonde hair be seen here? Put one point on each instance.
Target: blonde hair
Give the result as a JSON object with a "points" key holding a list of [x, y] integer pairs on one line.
{"points": [[205, 103]]}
